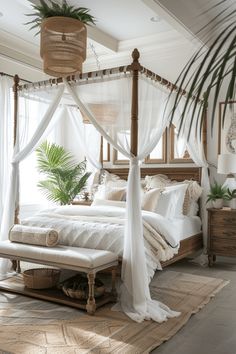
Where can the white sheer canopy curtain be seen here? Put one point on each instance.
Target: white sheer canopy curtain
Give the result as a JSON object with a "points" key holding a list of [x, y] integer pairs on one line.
{"points": [[21, 151], [192, 135], [6, 135], [107, 103], [6, 138], [88, 138]]}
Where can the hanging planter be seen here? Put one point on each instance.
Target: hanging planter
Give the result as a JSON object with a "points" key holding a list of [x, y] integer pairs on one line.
{"points": [[63, 46], [63, 36]]}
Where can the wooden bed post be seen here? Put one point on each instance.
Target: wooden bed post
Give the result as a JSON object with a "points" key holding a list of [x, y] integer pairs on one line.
{"points": [[15, 263], [134, 67]]}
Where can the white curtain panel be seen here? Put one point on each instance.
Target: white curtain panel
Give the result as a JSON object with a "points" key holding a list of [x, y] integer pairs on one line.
{"points": [[108, 106], [21, 151], [88, 138], [194, 143], [6, 139], [6, 135]]}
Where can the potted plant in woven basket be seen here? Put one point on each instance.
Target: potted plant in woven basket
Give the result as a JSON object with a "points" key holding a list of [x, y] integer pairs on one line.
{"points": [[63, 36], [217, 195]]}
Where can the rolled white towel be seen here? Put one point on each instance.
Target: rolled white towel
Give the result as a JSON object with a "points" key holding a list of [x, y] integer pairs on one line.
{"points": [[32, 235]]}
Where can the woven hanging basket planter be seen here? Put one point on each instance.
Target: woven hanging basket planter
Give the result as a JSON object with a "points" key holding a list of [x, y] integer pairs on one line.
{"points": [[63, 46]]}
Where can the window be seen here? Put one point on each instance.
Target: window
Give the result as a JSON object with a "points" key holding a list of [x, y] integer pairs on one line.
{"points": [[178, 148], [105, 150], [158, 154]]}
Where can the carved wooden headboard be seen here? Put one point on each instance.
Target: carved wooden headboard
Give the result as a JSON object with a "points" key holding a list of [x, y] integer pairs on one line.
{"points": [[175, 173]]}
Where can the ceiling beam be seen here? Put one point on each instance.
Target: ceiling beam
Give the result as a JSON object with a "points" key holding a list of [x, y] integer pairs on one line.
{"points": [[94, 33]]}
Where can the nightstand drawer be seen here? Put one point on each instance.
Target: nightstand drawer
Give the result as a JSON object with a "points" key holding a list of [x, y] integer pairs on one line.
{"points": [[225, 246], [223, 218], [219, 231]]}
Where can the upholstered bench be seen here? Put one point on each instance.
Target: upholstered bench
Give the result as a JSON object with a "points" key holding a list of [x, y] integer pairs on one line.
{"points": [[89, 261]]}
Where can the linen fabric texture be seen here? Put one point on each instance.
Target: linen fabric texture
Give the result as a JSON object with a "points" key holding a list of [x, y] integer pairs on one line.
{"points": [[32, 235]]}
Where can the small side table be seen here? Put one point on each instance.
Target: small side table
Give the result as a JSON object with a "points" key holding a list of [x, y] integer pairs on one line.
{"points": [[221, 238]]}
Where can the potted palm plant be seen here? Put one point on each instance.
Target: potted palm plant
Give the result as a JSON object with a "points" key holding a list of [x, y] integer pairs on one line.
{"points": [[217, 195], [64, 177], [63, 36], [231, 196]]}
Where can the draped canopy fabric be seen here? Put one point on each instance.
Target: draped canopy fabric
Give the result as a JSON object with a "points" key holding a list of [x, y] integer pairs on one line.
{"points": [[107, 105]]}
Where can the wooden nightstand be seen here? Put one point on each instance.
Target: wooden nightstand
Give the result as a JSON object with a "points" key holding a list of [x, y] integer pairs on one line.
{"points": [[221, 234], [82, 202]]}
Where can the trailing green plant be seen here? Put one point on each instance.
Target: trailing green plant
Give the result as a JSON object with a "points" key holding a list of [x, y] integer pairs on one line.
{"points": [[64, 177], [231, 194], [217, 191], [49, 8]]}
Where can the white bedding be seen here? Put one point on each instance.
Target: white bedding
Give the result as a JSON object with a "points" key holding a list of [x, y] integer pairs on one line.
{"points": [[102, 227]]}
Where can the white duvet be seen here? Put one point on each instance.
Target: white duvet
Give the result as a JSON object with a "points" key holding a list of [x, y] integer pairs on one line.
{"points": [[102, 227]]}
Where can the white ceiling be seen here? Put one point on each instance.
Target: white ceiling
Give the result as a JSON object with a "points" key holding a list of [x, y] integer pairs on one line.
{"points": [[121, 26]]}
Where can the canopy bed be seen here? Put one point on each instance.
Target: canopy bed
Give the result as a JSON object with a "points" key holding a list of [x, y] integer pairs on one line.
{"points": [[110, 90]]}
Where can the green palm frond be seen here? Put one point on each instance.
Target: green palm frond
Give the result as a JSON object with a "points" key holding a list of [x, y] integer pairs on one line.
{"points": [[52, 156], [51, 8], [213, 65], [217, 191], [65, 177]]}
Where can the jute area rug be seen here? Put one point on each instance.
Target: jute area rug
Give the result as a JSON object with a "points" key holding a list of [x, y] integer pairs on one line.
{"points": [[33, 327]]}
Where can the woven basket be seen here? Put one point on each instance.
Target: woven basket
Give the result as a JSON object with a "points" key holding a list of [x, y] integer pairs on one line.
{"points": [[63, 45], [41, 278], [77, 287]]}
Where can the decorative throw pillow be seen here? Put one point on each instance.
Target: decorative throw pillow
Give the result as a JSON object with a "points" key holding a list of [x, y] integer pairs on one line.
{"points": [[193, 193], [170, 203], [157, 181], [110, 193], [150, 199]]}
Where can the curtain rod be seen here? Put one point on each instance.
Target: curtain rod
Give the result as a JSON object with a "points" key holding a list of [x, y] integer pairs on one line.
{"points": [[106, 72], [12, 76], [100, 73]]}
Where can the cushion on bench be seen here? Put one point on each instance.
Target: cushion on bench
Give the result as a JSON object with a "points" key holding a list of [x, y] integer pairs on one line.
{"points": [[64, 255]]}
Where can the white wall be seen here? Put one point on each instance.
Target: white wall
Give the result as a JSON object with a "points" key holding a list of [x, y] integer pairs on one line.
{"points": [[12, 67]]}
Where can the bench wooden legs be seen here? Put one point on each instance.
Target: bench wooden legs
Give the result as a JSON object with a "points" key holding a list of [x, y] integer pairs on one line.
{"points": [[113, 284], [91, 304], [16, 265]]}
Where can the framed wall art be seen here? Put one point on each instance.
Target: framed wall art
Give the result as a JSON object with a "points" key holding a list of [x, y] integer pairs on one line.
{"points": [[227, 131]]}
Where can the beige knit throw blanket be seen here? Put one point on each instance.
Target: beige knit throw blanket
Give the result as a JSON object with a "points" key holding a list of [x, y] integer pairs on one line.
{"points": [[32, 235]]}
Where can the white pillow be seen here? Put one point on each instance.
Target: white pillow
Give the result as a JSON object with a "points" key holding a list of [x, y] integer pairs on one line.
{"points": [[150, 199], [170, 203], [157, 181], [111, 191], [114, 203]]}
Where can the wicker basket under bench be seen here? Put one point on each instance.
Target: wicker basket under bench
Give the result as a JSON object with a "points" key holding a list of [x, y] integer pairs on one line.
{"points": [[84, 260]]}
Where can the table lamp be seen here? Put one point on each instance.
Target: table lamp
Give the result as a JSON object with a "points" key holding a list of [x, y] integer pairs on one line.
{"points": [[227, 166]]}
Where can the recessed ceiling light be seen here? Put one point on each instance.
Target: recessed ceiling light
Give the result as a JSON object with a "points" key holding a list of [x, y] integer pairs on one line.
{"points": [[155, 19]]}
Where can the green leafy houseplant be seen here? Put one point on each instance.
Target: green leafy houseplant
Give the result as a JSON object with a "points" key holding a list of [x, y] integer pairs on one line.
{"points": [[217, 195], [231, 197], [230, 194], [50, 8], [65, 178]]}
